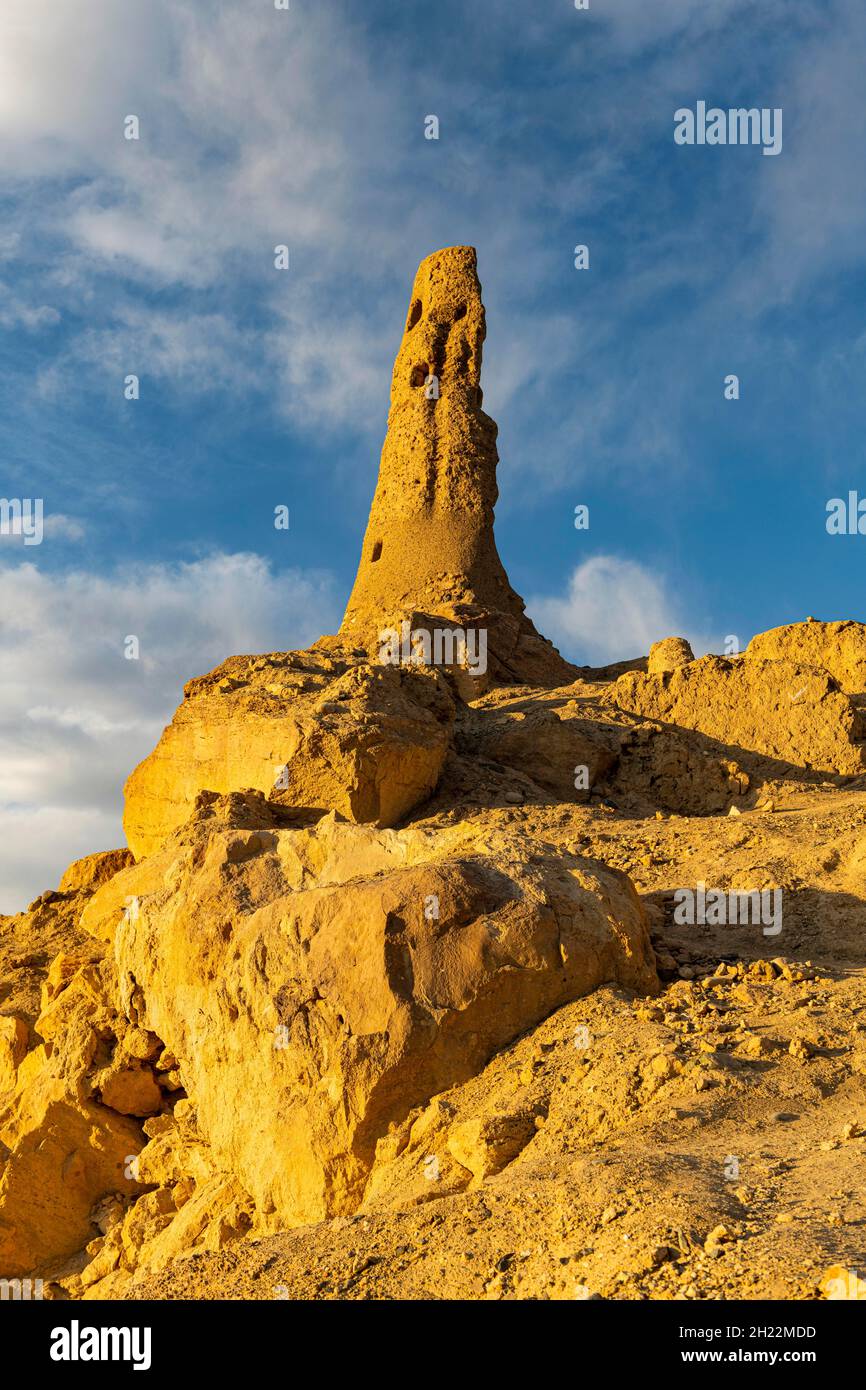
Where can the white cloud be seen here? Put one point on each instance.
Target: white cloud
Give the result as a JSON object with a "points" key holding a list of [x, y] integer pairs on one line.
{"points": [[327, 376], [813, 203], [260, 127], [195, 352], [20, 529], [17, 313], [40, 841], [613, 611], [76, 716], [59, 526], [251, 123], [56, 112]]}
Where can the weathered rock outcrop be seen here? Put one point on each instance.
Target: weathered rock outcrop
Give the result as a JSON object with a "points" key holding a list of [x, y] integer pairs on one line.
{"points": [[312, 731], [61, 1149], [565, 755], [659, 765], [69, 1064], [87, 874], [256, 1010], [14, 1035], [782, 709], [839, 648], [315, 984]]}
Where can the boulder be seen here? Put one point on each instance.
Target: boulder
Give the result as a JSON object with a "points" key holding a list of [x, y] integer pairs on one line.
{"points": [[839, 648], [668, 654], [316, 984], [87, 874], [315, 733], [783, 710], [488, 1143], [61, 1155], [544, 745]]}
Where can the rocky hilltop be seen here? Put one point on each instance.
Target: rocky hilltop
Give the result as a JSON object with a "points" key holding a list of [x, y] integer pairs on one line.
{"points": [[393, 993]]}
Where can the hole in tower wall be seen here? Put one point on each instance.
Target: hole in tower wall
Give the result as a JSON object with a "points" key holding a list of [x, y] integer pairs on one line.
{"points": [[419, 376], [414, 314], [377, 551], [460, 313]]}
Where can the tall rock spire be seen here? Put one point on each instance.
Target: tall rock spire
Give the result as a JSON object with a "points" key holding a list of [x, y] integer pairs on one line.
{"points": [[429, 547]]}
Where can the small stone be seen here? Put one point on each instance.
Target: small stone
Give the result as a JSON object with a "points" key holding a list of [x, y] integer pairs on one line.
{"points": [[717, 1236], [664, 1066], [669, 654], [756, 1046], [649, 1013], [660, 1254]]}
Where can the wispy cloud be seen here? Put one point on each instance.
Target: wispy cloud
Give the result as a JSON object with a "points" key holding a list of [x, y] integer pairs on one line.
{"points": [[17, 313], [260, 127], [56, 526]]}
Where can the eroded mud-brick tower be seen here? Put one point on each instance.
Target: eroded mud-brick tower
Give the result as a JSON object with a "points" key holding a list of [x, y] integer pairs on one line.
{"points": [[429, 549]]}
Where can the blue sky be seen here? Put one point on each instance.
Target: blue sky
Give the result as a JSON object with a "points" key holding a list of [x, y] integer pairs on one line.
{"points": [[306, 127]]}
